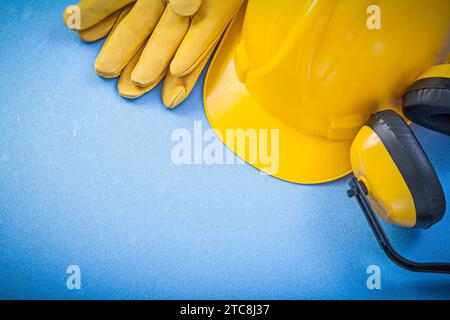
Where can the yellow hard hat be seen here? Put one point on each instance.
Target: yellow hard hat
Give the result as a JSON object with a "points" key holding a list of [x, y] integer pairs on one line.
{"points": [[316, 70]]}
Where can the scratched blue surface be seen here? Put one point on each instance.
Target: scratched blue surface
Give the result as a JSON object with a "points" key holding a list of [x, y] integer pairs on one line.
{"points": [[86, 179]]}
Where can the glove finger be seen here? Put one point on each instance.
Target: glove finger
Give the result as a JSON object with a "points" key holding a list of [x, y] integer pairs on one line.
{"points": [[177, 89], [104, 27], [92, 12], [128, 37], [161, 48], [127, 88], [185, 8], [207, 27], [100, 30]]}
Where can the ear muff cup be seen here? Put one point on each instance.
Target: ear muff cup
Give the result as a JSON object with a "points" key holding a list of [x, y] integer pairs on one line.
{"points": [[427, 103], [413, 164]]}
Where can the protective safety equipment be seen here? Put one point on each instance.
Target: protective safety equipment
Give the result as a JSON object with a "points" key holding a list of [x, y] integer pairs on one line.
{"points": [[105, 26], [426, 102], [156, 38], [392, 174], [91, 12], [316, 70]]}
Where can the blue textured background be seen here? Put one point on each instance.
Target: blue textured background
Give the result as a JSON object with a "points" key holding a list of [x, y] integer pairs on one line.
{"points": [[86, 178]]}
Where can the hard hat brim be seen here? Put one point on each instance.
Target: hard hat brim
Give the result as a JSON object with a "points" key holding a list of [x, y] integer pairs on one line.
{"points": [[302, 158]]}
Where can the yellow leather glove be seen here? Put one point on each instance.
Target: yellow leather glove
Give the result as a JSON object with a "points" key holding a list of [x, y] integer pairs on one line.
{"points": [[157, 38], [105, 26], [97, 17]]}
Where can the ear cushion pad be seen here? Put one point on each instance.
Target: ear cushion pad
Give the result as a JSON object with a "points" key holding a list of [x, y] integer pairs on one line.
{"points": [[427, 103], [413, 164]]}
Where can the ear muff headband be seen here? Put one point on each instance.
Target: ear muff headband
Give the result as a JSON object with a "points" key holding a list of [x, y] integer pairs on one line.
{"points": [[410, 159], [427, 103], [413, 165], [358, 191]]}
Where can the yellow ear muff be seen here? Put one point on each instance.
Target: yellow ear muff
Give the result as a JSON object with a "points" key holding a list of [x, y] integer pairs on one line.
{"points": [[427, 102], [400, 181]]}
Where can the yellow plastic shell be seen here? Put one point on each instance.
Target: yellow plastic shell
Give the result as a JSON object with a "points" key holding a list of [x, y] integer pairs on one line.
{"points": [[315, 70], [388, 193], [439, 71]]}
